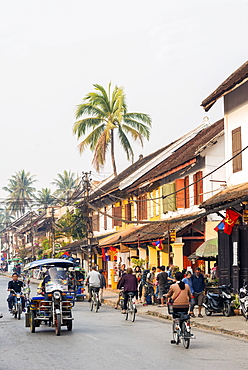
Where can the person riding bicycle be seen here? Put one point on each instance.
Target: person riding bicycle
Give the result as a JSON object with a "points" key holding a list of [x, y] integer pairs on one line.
{"points": [[15, 286], [93, 281], [180, 294], [129, 283]]}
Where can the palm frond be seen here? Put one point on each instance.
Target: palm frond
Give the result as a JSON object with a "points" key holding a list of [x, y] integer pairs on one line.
{"points": [[80, 127], [91, 139], [125, 144], [89, 109], [143, 129], [145, 118], [136, 135]]}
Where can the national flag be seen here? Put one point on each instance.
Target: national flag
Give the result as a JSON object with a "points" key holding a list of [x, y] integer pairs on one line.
{"points": [[231, 218], [220, 226]]}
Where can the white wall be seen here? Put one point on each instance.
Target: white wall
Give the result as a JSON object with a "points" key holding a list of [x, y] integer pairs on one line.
{"points": [[236, 115]]}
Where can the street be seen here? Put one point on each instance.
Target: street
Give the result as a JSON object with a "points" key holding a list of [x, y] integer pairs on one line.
{"points": [[105, 340]]}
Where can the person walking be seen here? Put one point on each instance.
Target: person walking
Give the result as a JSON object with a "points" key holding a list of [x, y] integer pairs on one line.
{"points": [[129, 283], [149, 286], [162, 279], [198, 286], [102, 285], [188, 280]]}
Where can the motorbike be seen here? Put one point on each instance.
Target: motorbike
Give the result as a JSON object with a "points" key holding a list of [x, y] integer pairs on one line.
{"points": [[243, 298], [218, 300], [16, 310], [53, 307]]}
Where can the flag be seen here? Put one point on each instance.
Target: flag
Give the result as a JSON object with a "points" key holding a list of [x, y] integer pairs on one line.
{"points": [[229, 222], [220, 226]]}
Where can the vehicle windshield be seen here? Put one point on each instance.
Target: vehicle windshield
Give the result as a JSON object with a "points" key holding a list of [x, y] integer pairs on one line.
{"points": [[57, 274]]}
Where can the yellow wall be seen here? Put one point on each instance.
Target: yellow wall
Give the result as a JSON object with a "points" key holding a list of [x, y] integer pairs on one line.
{"points": [[177, 250], [164, 258], [152, 253]]}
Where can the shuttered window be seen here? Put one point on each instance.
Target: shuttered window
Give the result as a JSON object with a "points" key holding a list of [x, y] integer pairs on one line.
{"points": [[117, 212], [186, 192], [236, 147], [95, 222], [169, 202], [198, 187], [180, 203], [128, 212], [142, 207]]}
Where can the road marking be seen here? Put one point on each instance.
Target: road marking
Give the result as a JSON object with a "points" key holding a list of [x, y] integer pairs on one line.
{"points": [[124, 354], [91, 336]]}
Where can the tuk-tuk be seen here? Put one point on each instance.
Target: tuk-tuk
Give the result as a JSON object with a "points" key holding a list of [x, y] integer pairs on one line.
{"points": [[53, 306]]}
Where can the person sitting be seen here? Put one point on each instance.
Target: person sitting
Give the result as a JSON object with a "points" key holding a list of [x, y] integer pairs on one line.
{"points": [[129, 283], [15, 286]]}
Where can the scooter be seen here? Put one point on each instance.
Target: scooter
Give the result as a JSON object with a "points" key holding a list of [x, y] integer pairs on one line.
{"points": [[218, 302], [243, 298], [16, 310]]}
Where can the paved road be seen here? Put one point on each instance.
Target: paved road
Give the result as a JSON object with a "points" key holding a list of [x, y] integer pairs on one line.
{"points": [[105, 340]]}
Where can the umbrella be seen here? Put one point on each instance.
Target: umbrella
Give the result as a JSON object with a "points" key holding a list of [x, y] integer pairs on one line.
{"points": [[208, 249]]}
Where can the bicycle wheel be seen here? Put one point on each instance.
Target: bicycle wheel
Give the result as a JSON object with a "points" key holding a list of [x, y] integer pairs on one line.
{"points": [[132, 311], [96, 302], [127, 310], [186, 334], [92, 303], [175, 333]]}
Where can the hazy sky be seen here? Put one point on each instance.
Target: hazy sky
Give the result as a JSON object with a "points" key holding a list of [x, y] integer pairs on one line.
{"points": [[168, 55]]}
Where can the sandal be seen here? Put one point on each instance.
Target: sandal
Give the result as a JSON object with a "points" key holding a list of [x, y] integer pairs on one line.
{"points": [[192, 314], [200, 315]]}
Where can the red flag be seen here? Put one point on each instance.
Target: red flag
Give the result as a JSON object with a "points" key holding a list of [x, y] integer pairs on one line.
{"points": [[103, 254], [231, 218]]}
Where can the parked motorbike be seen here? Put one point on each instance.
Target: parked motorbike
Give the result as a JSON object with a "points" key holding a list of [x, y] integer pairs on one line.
{"points": [[219, 300], [16, 310], [243, 298]]}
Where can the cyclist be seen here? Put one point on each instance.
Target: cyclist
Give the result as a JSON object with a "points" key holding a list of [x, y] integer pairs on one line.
{"points": [[130, 284], [93, 281], [180, 294]]}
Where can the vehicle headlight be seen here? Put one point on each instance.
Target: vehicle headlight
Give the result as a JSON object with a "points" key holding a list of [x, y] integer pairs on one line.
{"points": [[56, 295]]}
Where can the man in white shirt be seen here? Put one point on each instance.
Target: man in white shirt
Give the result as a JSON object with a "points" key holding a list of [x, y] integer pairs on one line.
{"points": [[93, 281]]}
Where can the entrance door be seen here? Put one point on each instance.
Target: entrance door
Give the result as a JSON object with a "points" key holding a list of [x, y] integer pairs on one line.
{"points": [[225, 259], [243, 254]]}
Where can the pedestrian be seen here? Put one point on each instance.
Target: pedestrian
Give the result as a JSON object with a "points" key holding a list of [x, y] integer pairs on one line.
{"points": [[198, 285], [130, 285], [122, 271], [138, 274], [18, 268], [188, 280], [149, 286], [170, 270], [102, 284]]}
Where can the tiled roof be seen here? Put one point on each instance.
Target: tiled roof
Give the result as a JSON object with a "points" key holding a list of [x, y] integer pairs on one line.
{"points": [[231, 194], [237, 77], [182, 155]]}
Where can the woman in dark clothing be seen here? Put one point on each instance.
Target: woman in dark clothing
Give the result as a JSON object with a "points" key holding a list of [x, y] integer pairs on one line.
{"points": [[130, 284]]}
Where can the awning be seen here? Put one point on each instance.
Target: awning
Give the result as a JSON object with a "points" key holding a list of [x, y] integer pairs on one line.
{"points": [[119, 236], [208, 249]]}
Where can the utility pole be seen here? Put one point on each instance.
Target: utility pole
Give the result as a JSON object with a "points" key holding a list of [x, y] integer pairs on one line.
{"points": [[53, 232], [89, 230]]}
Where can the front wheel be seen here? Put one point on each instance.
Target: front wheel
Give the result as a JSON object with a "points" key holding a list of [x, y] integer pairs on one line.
{"points": [[58, 324], [19, 312], [69, 325], [186, 335], [175, 333], [226, 309], [132, 311], [32, 321], [208, 312]]}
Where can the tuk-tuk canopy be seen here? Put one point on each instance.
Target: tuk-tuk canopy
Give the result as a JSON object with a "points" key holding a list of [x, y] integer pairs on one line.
{"points": [[49, 262]]}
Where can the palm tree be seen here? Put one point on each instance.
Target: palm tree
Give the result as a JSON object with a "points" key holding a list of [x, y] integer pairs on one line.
{"points": [[5, 217], [44, 198], [108, 112], [66, 184], [21, 192]]}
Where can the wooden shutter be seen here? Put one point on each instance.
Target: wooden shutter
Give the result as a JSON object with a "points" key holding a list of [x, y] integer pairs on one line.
{"points": [[117, 212], [169, 202], [236, 147], [180, 194], [186, 192], [142, 207], [128, 212], [105, 219], [95, 222], [198, 187]]}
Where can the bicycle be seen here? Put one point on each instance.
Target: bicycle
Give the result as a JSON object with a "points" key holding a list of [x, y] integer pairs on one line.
{"points": [[131, 308], [95, 303], [181, 329]]}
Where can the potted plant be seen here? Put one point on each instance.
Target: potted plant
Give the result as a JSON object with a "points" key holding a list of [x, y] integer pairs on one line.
{"points": [[236, 304]]}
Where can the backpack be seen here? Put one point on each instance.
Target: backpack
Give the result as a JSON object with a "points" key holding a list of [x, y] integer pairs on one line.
{"points": [[144, 275]]}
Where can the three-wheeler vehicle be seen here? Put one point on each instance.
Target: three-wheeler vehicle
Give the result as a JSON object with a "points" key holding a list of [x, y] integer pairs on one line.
{"points": [[54, 305]]}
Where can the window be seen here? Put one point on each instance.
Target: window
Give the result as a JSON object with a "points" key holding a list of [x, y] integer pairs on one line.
{"points": [[236, 147], [169, 202], [128, 211], [105, 219], [95, 222], [180, 196], [151, 205], [198, 187], [186, 192], [142, 207], [117, 212]]}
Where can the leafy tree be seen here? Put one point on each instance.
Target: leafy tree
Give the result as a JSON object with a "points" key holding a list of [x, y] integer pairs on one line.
{"points": [[71, 225], [44, 198], [21, 192], [108, 114], [5, 218], [66, 184]]}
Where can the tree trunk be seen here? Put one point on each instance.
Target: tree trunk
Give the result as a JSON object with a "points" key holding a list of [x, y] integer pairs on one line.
{"points": [[112, 153]]}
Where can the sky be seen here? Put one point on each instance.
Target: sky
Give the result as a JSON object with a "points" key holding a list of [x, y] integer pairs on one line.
{"points": [[168, 56]]}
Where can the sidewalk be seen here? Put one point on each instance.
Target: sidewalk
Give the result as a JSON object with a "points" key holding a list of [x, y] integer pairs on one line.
{"points": [[233, 325]]}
